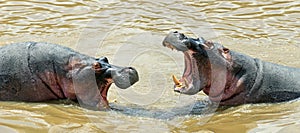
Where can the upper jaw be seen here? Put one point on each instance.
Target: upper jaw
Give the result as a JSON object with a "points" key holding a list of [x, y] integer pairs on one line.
{"points": [[175, 40]]}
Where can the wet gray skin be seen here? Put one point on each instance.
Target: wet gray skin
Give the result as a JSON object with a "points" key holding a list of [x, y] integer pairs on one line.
{"points": [[39, 72], [229, 77]]}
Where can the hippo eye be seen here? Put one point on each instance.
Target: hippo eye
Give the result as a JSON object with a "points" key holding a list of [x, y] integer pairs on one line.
{"points": [[188, 45]]}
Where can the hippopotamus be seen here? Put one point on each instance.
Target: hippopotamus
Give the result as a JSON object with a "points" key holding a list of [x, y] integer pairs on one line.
{"points": [[37, 72], [231, 78]]}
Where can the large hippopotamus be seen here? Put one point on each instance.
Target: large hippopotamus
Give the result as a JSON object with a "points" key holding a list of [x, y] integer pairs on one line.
{"points": [[231, 78], [36, 72]]}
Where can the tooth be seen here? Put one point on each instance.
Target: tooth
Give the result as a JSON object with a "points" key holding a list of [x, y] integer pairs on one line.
{"points": [[186, 83], [176, 81]]}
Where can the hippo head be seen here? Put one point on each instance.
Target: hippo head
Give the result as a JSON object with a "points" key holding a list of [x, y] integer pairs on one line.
{"points": [[205, 63], [106, 74], [99, 70], [123, 77]]}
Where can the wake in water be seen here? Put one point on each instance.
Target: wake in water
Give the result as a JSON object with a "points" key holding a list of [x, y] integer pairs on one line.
{"points": [[199, 107]]}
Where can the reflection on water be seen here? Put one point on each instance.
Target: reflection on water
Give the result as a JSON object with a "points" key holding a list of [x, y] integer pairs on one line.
{"points": [[130, 32]]}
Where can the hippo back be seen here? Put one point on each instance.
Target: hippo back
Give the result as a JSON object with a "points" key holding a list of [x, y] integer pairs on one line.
{"points": [[22, 65]]}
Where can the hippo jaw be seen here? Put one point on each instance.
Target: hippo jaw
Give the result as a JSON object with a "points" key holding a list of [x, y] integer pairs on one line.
{"points": [[123, 77], [196, 75]]}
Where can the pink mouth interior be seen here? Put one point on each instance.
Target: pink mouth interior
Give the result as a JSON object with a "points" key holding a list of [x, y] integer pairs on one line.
{"points": [[186, 78], [103, 93], [188, 68]]}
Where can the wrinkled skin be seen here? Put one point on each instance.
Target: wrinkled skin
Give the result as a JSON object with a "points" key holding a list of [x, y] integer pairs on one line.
{"points": [[38, 72], [229, 77]]}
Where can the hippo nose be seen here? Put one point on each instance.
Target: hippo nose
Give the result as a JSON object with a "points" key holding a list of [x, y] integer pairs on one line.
{"points": [[175, 32], [125, 77], [131, 68]]}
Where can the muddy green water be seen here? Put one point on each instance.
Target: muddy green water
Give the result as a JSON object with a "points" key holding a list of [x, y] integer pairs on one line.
{"points": [[130, 32]]}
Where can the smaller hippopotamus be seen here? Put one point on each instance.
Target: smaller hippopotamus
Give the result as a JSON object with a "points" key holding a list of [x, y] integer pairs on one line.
{"points": [[36, 72], [229, 77]]}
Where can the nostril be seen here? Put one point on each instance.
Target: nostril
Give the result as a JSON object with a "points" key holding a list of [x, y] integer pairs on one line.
{"points": [[175, 32], [131, 68]]}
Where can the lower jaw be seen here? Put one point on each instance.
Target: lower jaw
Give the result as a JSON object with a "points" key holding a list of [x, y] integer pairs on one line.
{"points": [[102, 106], [215, 99], [231, 100]]}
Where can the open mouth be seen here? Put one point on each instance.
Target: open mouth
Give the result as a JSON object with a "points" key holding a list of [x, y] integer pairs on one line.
{"points": [[185, 83], [176, 41], [207, 66], [190, 82], [121, 77], [103, 92]]}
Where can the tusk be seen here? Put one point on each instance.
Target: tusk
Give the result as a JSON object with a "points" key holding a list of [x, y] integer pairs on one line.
{"points": [[176, 81]]}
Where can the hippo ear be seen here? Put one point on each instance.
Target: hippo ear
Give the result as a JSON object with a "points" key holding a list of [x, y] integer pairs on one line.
{"points": [[226, 50], [225, 53], [97, 67], [104, 59]]}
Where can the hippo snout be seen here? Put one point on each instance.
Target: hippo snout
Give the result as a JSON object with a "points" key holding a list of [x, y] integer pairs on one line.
{"points": [[125, 77]]}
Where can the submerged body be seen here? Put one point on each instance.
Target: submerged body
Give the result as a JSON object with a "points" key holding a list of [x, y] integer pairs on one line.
{"points": [[229, 77], [34, 71]]}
